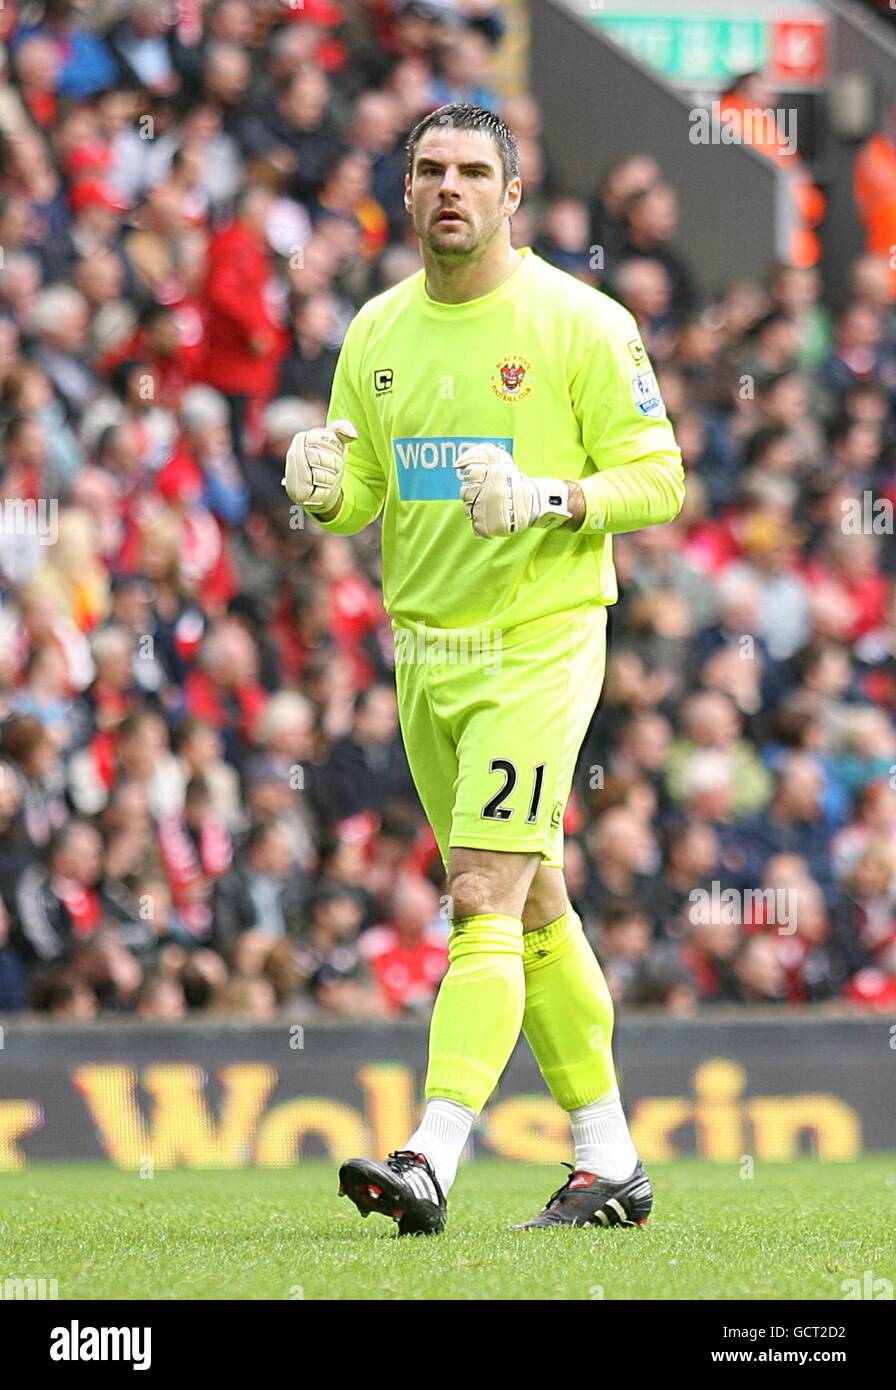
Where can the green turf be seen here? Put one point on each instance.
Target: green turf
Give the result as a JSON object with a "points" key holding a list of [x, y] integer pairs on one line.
{"points": [[793, 1231]]}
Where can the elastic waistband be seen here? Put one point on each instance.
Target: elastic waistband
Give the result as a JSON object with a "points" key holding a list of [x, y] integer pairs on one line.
{"points": [[483, 637]]}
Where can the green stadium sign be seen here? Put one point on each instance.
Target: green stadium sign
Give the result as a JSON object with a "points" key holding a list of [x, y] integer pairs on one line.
{"points": [[702, 51]]}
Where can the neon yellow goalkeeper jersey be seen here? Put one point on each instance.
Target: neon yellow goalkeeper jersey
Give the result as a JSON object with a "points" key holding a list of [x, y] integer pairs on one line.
{"points": [[545, 366]]}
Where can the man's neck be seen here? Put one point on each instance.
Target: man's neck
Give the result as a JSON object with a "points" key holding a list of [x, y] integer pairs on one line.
{"points": [[458, 281]]}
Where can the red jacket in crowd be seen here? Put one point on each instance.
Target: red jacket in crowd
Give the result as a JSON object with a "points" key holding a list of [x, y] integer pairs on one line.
{"points": [[244, 340]]}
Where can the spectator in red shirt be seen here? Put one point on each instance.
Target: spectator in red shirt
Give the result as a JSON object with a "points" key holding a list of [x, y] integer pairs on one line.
{"points": [[245, 341], [36, 65], [408, 956], [157, 342], [196, 849], [848, 590], [224, 688]]}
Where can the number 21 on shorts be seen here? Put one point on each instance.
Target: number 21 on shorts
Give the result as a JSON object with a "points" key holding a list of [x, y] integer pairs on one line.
{"points": [[495, 809]]}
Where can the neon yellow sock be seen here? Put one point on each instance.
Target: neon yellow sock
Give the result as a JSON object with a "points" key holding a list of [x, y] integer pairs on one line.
{"points": [[568, 1020], [478, 1012]]}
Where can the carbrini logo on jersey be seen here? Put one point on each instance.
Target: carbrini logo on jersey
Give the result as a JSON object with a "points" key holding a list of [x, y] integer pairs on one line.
{"points": [[425, 464]]}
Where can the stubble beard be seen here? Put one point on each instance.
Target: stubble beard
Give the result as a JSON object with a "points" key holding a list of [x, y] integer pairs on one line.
{"points": [[474, 244]]}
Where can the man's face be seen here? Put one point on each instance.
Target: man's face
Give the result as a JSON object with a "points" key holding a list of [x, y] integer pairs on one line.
{"points": [[83, 859], [456, 194], [278, 859], [163, 336], [378, 720], [32, 444]]}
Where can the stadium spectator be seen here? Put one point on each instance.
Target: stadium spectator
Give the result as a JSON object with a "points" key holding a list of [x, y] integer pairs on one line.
{"points": [[14, 989], [330, 960], [263, 893], [307, 370], [244, 342], [61, 907], [623, 948], [621, 856], [193, 207], [709, 721], [65, 998], [160, 1001], [368, 766], [748, 105], [874, 179], [648, 225], [407, 956]]}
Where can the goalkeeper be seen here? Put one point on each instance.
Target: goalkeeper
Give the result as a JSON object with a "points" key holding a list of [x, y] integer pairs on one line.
{"points": [[505, 420]]}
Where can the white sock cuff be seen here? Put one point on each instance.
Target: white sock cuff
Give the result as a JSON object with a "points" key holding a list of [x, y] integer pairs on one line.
{"points": [[597, 1109], [441, 1135], [445, 1120], [602, 1141]]}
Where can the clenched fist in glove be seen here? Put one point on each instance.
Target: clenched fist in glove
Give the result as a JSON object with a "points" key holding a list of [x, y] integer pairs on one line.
{"points": [[501, 500], [315, 464]]}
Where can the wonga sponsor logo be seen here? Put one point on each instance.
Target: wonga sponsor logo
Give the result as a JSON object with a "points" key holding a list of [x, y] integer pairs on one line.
{"points": [[425, 466]]}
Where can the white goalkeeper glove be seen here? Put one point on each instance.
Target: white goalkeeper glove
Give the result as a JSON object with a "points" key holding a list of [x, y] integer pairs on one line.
{"points": [[315, 465], [501, 500]]}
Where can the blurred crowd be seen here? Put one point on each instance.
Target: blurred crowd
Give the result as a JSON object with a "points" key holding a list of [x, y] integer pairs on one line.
{"points": [[204, 801]]}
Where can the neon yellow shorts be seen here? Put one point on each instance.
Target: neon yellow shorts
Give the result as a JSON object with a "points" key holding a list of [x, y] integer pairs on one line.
{"points": [[493, 723]]}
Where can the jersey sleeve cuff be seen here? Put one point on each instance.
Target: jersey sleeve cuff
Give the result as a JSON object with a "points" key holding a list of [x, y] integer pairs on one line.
{"points": [[597, 506]]}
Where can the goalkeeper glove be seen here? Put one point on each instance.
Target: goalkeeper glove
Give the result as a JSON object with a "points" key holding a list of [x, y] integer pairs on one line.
{"points": [[315, 465], [501, 500]]}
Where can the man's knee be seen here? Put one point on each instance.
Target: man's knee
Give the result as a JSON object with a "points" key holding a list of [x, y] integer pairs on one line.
{"points": [[473, 890], [488, 881]]}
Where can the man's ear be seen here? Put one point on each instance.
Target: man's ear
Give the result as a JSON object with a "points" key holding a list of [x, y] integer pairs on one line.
{"points": [[513, 195], [407, 192]]}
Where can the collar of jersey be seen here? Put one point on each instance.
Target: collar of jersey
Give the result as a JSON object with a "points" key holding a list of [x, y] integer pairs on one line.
{"points": [[470, 308]]}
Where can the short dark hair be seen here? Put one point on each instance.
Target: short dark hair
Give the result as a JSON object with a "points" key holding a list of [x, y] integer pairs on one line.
{"points": [[197, 789], [16, 428], [151, 313], [623, 912], [840, 428], [773, 319], [257, 836], [363, 697], [763, 440], [463, 115], [61, 837], [741, 80]]}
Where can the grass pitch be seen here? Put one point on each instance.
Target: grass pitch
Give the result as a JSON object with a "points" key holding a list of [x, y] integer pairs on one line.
{"points": [[794, 1231]]}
